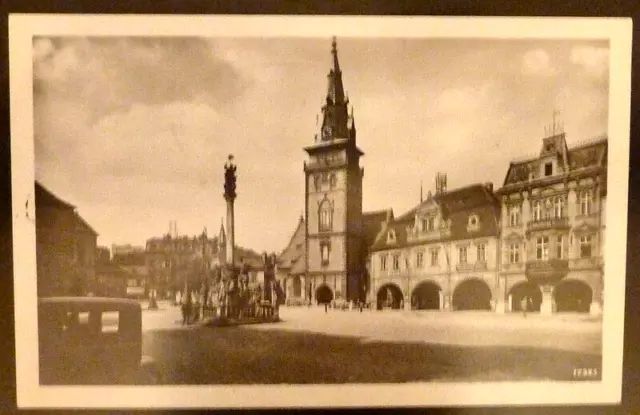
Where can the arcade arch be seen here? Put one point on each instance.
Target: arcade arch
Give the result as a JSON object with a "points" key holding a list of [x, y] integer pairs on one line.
{"points": [[472, 294], [389, 296], [522, 290], [573, 295], [426, 296], [324, 295]]}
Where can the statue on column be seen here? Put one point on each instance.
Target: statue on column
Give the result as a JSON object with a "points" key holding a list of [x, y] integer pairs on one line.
{"points": [[230, 179]]}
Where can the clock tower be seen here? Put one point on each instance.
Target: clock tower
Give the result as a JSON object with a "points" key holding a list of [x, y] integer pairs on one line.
{"points": [[333, 200]]}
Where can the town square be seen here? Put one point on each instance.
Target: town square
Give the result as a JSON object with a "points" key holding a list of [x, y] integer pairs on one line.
{"points": [[325, 210]]}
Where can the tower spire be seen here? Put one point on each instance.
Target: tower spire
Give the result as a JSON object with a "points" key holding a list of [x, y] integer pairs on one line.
{"points": [[334, 111], [335, 92]]}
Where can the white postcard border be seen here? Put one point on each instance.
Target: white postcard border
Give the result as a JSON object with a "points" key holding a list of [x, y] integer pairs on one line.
{"points": [[31, 395]]}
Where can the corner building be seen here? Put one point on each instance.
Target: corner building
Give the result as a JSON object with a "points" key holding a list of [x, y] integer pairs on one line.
{"points": [[441, 255], [553, 227], [333, 200]]}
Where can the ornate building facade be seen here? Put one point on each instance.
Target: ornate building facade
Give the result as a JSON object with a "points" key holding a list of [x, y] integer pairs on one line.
{"points": [[553, 227], [441, 255]]}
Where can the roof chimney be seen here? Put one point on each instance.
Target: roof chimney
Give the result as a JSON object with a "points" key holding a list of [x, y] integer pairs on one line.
{"points": [[489, 186]]}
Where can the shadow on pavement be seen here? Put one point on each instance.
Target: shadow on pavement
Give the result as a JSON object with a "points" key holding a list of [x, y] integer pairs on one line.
{"points": [[240, 355]]}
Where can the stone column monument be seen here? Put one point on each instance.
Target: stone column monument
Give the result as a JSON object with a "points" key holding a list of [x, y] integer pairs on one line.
{"points": [[230, 197], [229, 274]]}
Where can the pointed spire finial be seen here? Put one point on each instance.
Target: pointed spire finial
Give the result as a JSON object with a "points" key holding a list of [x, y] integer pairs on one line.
{"points": [[421, 191]]}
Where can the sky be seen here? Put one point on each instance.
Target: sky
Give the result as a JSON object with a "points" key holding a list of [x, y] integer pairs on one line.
{"points": [[135, 131]]}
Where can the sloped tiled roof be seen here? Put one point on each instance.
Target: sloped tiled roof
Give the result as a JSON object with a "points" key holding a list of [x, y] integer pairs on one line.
{"points": [[456, 205], [590, 154], [293, 257], [45, 198], [248, 256], [80, 222], [372, 223]]}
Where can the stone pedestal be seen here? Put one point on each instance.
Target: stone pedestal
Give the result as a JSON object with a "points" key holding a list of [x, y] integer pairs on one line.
{"points": [[595, 309], [407, 304], [501, 306]]}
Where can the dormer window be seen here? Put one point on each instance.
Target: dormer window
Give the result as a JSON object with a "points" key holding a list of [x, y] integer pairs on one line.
{"points": [[548, 169], [427, 224], [391, 236], [473, 223]]}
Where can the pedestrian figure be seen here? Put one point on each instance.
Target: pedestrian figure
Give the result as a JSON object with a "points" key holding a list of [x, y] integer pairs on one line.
{"points": [[186, 309], [524, 304], [326, 306], [280, 296]]}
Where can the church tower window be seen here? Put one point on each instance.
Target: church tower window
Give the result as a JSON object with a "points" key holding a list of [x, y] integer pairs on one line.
{"points": [[333, 181], [325, 216]]}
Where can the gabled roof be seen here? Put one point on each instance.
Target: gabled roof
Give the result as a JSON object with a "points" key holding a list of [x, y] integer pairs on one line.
{"points": [[249, 257], [372, 223], [457, 206], [84, 225], [45, 198], [589, 154], [293, 257]]}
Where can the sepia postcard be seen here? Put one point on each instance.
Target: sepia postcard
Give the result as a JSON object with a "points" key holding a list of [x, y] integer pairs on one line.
{"points": [[281, 211]]}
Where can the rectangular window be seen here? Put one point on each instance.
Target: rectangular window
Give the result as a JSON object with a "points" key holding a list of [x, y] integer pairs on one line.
{"points": [[462, 255], [324, 253], [586, 201], [542, 248], [110, 321], [559, 207], [419, 259], [431, 223], [548, 169], [537, 210], [396, 262], [560, 247], [481, 253], [434, 258], [514, 253], [383, 262], [585, 246], [424, 224], [514, 216]]}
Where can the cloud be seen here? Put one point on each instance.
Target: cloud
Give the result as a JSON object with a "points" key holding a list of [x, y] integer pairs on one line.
{"points": [[537, 62], [112, 74], [594, 60]]}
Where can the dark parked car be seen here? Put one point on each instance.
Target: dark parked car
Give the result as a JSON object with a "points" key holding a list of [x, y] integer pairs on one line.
{"points": [[90, 340]]}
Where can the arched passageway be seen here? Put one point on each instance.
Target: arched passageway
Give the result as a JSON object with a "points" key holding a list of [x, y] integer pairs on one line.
{"points": [[573, 295], [522, 290], [324, 295], [426, 296], [389, 296], [472, 294]]}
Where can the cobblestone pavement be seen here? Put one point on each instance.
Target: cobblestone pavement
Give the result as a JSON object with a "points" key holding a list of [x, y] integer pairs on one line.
{"points": [[572, 332]]}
